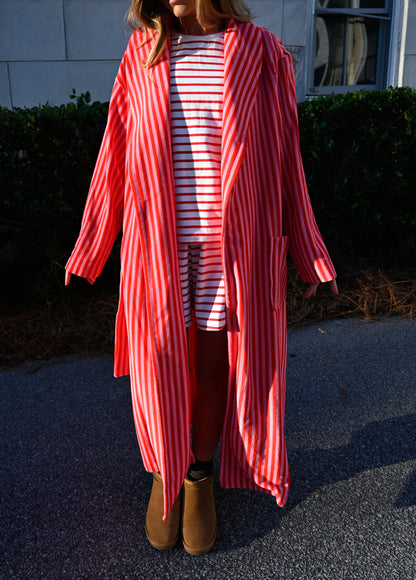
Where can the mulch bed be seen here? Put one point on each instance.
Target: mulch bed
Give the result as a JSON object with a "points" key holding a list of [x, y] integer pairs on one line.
{"points": [[84, 326]]}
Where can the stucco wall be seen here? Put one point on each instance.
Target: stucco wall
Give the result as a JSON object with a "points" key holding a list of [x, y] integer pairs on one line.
{"points": [[49, 47]]}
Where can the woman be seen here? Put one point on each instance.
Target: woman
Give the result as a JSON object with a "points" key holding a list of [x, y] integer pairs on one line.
{"points": [[200, 165]]}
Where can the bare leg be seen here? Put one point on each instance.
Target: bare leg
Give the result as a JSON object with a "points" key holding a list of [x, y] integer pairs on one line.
{"points": [[211, 369]]}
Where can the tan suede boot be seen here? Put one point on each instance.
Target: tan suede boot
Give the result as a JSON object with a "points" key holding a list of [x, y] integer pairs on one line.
{"points": [[163, 535], [199, 520]]}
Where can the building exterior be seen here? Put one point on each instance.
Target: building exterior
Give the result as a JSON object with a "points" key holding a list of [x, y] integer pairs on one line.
{"points": [[50, 47]]}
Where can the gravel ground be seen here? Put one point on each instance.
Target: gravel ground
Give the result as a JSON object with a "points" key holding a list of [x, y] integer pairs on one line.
{"points": [[74, 491]]}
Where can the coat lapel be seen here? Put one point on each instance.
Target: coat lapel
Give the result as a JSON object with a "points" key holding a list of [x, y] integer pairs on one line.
{"points": [[155, 187], [243, 55]]}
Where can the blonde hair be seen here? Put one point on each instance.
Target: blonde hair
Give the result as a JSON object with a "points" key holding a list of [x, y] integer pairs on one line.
{"points": [[153, 15]]}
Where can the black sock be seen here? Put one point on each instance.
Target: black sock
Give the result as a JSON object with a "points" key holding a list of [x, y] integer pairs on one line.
{"points": [[200, 470]]}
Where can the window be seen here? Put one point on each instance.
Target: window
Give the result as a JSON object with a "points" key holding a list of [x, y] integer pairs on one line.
{"points": [[350, 46]]}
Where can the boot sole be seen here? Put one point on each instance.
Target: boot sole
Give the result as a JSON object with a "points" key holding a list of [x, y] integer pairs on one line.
{"points": [[201, 549], [162, 547]]}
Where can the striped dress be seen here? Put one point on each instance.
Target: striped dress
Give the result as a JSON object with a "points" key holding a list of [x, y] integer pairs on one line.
{"points": [[196, 99], [196, 96]]}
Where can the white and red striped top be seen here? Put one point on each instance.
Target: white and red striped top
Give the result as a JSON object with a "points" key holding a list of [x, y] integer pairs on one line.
{"points": [[196, 94]]}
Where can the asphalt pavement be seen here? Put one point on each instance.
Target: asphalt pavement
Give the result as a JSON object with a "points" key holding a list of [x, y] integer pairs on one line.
{"points": [[74, 491]]}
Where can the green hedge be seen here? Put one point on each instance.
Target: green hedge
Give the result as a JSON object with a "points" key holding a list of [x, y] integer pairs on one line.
{"points": [[46, 159], [358, 151]]}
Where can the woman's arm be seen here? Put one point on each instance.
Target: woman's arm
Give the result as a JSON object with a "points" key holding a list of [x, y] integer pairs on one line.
{"points": [[103, 213], [306, 245]]}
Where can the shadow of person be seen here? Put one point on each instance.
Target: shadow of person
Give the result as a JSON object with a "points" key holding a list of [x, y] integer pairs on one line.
{"points": [[378, 444], [245, 516]]}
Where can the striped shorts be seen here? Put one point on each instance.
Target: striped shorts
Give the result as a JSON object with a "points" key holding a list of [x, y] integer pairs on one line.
{"points": [[202, 283]]}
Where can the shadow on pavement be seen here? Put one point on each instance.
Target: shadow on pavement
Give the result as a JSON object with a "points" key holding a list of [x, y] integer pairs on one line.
{"points": [[378, 444]]}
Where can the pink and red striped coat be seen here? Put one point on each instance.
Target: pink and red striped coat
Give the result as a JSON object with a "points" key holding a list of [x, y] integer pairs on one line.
{"points": [[266, 213]]}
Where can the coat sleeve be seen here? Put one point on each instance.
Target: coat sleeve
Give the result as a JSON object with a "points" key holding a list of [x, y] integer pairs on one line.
{"points": [[306, 246], [103, 213]]}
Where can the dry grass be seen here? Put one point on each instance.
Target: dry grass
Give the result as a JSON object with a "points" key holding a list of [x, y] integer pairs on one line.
{"points": [[364, 294], [63, 327], [85, 326]]}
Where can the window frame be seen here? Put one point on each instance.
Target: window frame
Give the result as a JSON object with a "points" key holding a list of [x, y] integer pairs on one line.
{"points": [[385, 17]]}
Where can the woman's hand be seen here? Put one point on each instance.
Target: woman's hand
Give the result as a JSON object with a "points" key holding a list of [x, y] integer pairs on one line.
{"points": [[311, 291], [68, 278]]}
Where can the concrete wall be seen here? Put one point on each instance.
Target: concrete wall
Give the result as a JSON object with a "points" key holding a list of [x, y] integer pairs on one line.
{"points": [[49, 47]]}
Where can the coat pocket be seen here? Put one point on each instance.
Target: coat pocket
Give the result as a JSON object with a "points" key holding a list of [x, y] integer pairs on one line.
{"points": [[278, 270]]}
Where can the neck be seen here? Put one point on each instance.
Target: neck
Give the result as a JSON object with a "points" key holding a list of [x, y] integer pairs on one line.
{"points": [[190, 25]]}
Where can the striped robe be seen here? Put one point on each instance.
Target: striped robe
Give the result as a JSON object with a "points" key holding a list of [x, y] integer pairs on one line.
{"points": [[266, 213]]}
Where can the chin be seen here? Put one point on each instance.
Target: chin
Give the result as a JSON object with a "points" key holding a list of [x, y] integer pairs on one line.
{"points": [[181, 11]]}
